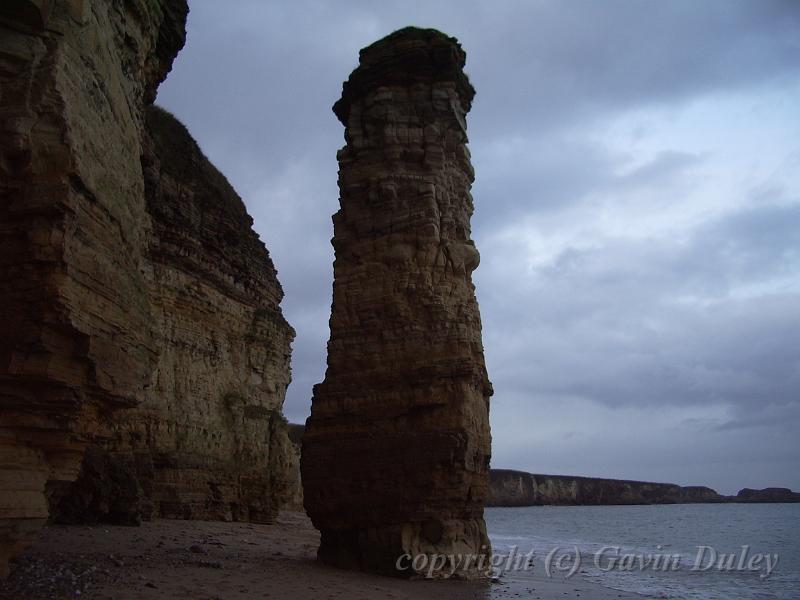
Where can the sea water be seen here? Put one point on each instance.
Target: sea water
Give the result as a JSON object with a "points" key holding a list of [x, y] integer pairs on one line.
{"points": [[681, 551]]}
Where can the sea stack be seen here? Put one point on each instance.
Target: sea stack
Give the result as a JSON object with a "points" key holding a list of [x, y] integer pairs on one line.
{"points": [[396, 453]]}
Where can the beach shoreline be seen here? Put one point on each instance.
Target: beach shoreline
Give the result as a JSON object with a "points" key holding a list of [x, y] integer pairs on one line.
{"points": [[209, 560]]}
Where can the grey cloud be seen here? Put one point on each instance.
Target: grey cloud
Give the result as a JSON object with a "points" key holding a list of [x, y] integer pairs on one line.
{"points": [[575, 61], [607, 326], [648, 321], [658, 171]]}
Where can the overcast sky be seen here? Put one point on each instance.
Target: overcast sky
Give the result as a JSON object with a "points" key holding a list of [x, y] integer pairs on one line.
{"points": [[637, 212]]}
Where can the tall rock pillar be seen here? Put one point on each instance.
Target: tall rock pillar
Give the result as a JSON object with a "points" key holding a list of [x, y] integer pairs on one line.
{"points": [[396, 452]]}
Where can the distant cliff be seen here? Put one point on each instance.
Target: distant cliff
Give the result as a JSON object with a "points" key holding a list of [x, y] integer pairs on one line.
{"points": [[772, 494], [517, 488]]}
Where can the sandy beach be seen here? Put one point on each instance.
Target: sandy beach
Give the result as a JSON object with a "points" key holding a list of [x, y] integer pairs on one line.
{"points": [[216, 560]]}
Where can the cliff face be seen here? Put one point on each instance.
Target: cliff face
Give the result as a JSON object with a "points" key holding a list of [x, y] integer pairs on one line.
{"points": [[211, 419], [396, 451], [131, 279], [77, 329], [517, 488], [208, 440]]}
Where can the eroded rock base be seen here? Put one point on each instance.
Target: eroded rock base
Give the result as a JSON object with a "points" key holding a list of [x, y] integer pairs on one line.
{"points": [[459, 544]]}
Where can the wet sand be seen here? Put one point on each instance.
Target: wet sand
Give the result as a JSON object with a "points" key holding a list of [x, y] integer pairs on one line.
{"points": [[223, 561]]}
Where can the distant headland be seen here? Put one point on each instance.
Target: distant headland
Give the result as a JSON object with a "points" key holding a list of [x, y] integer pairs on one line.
{"points": [[518, 488]]}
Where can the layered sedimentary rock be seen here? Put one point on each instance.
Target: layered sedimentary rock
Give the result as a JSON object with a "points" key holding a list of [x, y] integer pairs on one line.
{"points": [[208, 440], [76, 327], [517, 488], [211, 419], [129, 279], [396, 451]]}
